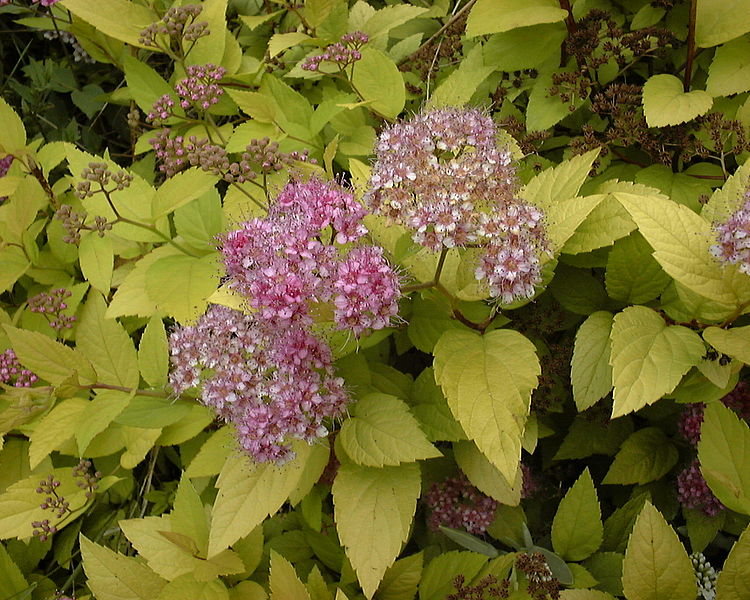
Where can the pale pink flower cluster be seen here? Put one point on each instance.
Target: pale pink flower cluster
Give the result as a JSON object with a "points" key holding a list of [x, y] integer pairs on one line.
{"points": [[274, 384], [456, 503], [12, 371], [443, 176], [733, 237], [693, 491], [294, 259]]}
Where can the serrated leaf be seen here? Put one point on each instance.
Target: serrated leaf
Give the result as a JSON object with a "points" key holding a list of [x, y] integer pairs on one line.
{"points": [[701, 528], [656, 566], [248, 493], [107, 345], [458, 88], [213, 454], [99, 413], [180, 189], [486, 477], [113, 576], [586, 438], [607, 222], [590, 371], [724, 454], [54, 429], [544, 110], [12, 581], [180, 285], [401, 580], [734, 579], [718, 21], [647, 455], [382, 431], [97, 260], [189, 516], [585, 595], [145, 85], [487, 16], [188, 586], [283, 581], [153, 353], [729, 197], [577, 529], [729, 72], [432, 411], [373, 510], [633, 275], [15, 264], [438, 577], [734, 342], [606, 567], [648, 357], [488, 382], [49, 359], [378, 80], [564, 218], [13, 136], [559, 183], [260, 107], [619, 524], [665, 103], [508, 51]]}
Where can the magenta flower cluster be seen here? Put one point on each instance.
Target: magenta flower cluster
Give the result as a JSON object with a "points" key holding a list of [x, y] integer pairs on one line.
{"points": [[12, 372], [267, 372], [5, 164], [51, 305], [693, 491], [456, 503], [199, 90], [733, 237], [443, 176], [691, 418], [342, 54]]}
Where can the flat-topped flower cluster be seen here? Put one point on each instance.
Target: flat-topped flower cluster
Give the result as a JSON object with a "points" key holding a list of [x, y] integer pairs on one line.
{"points": [[267, 372]]}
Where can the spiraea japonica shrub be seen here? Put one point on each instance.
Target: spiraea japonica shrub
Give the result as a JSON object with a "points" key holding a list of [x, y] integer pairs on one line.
{"points": [[361, 299]]}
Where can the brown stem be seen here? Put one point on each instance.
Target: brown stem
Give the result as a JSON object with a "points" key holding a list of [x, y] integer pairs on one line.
{"points": [[690, 46], [570, 21], [439, 32], [119, 388]]}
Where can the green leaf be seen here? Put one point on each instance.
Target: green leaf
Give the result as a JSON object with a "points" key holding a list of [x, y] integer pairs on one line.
{"points": [[656, 566], [107, 345], [488, 381], [49, 359], [586, 438], [211, 48], [607, 222], [373, 512], [146, 86], [429, 320], [469, 541], [382, 431], [724, 454], [401, 580], [119, 19], [153, 353], [432, 411], [97, 260], [648, 358], [261, 107], [282, 41], [486, 477], [734, 342], [665, 103], [458, 88], [734, 578], [559, 183], [378, 80], [729, 72], [248, 493], [15, 264], [213, 454], [200, 221], [544, 110], [585, 595], [577, 529], [578, 291], [701, 528], [13, 136], [510, 51], [590, 371], [729, 197], [188, 586], [620, 523], [12, 581], [180, 189], [180, 285], [718, 21], [55, 428], [488, 16], [633, 275], [438, 577], [647, 455], [606, 567], [283, 581], [564, 218], [99, 413]]}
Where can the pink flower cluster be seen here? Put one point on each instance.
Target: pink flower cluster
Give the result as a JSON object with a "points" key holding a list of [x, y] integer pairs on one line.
{"points": [[198, 90], [51, 305], [13, 373], [693, 491], [268, 373], [293, 260], [443, 175], [733, 237], [5, 164], [274, 384], [691, 418], [343, 53], [456, 503]]}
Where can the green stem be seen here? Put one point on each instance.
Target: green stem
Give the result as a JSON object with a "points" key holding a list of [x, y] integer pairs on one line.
{"points": [[120, 388]]}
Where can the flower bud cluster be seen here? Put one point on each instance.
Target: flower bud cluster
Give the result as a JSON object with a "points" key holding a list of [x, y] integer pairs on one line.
{"points": [[51, 305], [691, 418], [5, 164], [705, 576], [12, 372], [456, 503], [733, 237], [88, 481], [443, 176], [199, 89], [99, 172], [79, 54], [343, 53], [693, 491], [179, 22]]}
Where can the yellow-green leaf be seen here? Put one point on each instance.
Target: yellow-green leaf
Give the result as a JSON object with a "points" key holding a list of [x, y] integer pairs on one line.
{"points": [[724, 454], [729, 72], [585, 595], [666, 103], [489, 16], [577, 528], [488, 380], [382, 431], [49, 359], [564, 218], [734, 578], [378, 80], [99, 413], [153, 353], [55, 428], [181, 189], [283, 581], [734, 342], [213, 454], [107, 345], [649, 357], [401, 580], [633, 276], [373, 511], [485, 476], [441, 571], [647, 455], [458, 88], [97, 260], [656, 566], [590, 371], [718, 21], [12, 581], [146, 86], [189, 516], [120, 19], [13, 136], [560, 183]]}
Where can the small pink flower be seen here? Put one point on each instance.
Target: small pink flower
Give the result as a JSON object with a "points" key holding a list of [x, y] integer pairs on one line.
{"points": [[456, 503], [693, 491]]}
